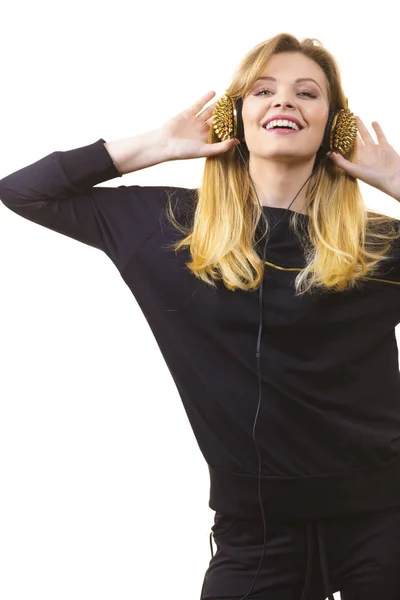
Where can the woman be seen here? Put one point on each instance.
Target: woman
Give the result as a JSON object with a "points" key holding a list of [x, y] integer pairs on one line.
{"points": [[298, 418]]}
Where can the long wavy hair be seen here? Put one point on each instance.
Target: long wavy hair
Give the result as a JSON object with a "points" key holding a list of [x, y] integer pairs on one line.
{"points": [[345, 241]]}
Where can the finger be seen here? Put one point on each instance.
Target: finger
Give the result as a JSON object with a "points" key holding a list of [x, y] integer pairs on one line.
{"points": [[365, 134], [197, 106], [350, 168], [358, 145], [207, 112], [379, 132], [220, 147]]}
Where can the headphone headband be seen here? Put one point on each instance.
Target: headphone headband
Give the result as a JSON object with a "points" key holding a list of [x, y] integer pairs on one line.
{"points": [[340, 132]]}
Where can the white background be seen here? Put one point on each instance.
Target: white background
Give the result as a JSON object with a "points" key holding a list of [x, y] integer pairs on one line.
{"points": [[104, 492]]}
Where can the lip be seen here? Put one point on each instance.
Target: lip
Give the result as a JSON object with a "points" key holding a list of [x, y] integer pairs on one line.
{"points": [[283, 117], [282, 131]]}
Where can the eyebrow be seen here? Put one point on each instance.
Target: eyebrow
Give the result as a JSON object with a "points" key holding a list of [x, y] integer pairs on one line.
{"points": [[299, 80]]}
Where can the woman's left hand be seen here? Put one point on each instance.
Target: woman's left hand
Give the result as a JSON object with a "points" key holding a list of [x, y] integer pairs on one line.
{"points": [[375, 163]]}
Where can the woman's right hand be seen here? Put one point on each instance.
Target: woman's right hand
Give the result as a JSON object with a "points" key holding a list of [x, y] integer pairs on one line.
{"points": [[187, 133]]}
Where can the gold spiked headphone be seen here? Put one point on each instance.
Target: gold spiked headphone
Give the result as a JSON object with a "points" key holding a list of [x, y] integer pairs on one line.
{"points": [[340, 132]]}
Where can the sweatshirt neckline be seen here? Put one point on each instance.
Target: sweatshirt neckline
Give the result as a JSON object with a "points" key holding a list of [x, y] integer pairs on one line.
{"points": [[278, 209]]}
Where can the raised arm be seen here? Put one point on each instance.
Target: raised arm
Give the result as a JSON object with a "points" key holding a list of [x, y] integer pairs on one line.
{"points": [[58, 191]]}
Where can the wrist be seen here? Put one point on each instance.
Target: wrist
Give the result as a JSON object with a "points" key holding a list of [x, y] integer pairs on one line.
{"points": [[139, 151]]}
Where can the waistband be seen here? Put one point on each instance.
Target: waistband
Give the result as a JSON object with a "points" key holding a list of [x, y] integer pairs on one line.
{"points": [[311, 497]]}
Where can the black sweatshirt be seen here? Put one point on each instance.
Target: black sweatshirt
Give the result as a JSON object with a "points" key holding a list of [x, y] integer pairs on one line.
{"points": [[329, 424]]}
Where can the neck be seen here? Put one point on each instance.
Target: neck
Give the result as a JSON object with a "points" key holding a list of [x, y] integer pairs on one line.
{"points": [[278, 183]]}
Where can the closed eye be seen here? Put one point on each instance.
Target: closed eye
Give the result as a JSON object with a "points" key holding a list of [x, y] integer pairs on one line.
{"points": [[309, 94]]}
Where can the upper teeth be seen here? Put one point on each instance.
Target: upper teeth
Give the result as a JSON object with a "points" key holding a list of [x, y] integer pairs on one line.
{"points": [[282, 123]]}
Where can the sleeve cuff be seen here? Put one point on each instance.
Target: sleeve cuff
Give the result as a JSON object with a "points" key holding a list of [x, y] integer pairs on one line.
{"points": [[89, 165]]}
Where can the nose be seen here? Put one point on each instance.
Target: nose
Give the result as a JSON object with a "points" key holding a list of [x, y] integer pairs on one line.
{"points": [[285, 103]]}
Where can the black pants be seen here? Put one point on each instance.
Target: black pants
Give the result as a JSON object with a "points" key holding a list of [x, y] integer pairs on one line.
{"points": [[358, 555]]}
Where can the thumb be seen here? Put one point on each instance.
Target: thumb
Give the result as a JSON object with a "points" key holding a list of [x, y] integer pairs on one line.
{"points": [[339, 160], [221, 147]]}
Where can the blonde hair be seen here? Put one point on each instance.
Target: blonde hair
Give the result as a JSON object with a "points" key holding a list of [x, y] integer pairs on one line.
{"points": [[346, 240]]}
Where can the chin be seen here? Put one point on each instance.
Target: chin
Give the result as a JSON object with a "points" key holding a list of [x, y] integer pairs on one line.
{"points": [[290, 154]]}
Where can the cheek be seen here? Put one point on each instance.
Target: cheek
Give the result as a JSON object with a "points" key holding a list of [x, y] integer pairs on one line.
{"points": [[319, 121], [248, 115], [317, 116], [253, 110], [324, 117]]}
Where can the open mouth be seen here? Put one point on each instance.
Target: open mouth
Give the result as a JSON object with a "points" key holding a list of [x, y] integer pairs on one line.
{"points": [[283, 125]]}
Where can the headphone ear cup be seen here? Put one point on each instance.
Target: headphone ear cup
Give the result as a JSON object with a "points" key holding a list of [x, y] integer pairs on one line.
{"points": [[239, 120], [228, 122], [340, 132], [326, 142]]}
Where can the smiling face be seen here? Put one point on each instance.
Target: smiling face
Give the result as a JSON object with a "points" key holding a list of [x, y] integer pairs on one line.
{"points": [[295, 87]]}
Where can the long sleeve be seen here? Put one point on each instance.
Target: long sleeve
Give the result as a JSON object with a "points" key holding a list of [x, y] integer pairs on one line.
{"points": [[58, 192], [396, 257], [390, 269]]}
